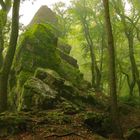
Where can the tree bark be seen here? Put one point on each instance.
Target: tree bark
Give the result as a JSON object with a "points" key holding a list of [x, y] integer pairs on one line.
{"points": [[86, 33], [6, 67], [3, 20], [96, 75], [5, 8], [135, 71], [132, 61], [112, 74], [1, 48]]}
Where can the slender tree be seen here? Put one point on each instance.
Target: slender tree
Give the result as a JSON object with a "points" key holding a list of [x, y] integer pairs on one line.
{"points": [[84, 14], [112, 73], [5, 8], [7, 63], [129, 29]]}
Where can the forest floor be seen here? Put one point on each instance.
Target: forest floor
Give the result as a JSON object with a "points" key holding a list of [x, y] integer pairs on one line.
{"points": [[56, 125]]}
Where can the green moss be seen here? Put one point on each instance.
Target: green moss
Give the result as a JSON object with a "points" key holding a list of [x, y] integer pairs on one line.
{"points": [[37, 48], [36, 94], [11, 124], [131, 101], [50, 77], [58, 118], [70, 108], [23, 76], [16, 90], [70, 73], [63, 46]]}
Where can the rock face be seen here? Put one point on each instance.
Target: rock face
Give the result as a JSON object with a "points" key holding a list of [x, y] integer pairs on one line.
{"points": [[45, 90], [68, 58], [64, 47], [43, 72], [37, 94], [44, 15], [38, 49]]}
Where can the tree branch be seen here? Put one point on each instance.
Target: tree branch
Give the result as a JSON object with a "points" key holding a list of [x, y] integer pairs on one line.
{"points": [[64, 135], [127, 76]]}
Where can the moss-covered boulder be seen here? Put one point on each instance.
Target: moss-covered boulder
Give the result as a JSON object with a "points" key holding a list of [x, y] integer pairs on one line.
{"points": [[50, 77], [47, 90], [70, 73], [37, 94], [69, 108]]}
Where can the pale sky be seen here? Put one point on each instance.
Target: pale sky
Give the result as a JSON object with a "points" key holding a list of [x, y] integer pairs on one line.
{"points": [[27, 9]]}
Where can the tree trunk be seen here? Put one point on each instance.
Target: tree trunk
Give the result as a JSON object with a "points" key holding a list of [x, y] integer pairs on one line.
{"points": [[132, 61], [3, 21], [130, 37], [112, 74], [5, 8], [4, 74], [134, 68], [99, 75], [96, 75], [92, 57], [98, 78], [1, 48]]}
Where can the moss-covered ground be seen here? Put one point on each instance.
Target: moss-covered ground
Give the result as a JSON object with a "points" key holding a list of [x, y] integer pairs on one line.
{"points": [[88, 123]]}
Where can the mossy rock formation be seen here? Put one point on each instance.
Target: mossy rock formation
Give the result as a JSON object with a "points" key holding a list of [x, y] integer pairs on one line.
{"points": [[47, 90], [68, 58], [37, 48]]}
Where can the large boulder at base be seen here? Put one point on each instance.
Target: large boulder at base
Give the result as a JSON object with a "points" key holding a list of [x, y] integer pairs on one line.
{"points": [[50, 77], [37, 94], [45, 90]]}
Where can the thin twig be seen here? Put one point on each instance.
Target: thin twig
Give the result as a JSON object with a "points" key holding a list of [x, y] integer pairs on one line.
{"points": [[63, 135]]}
